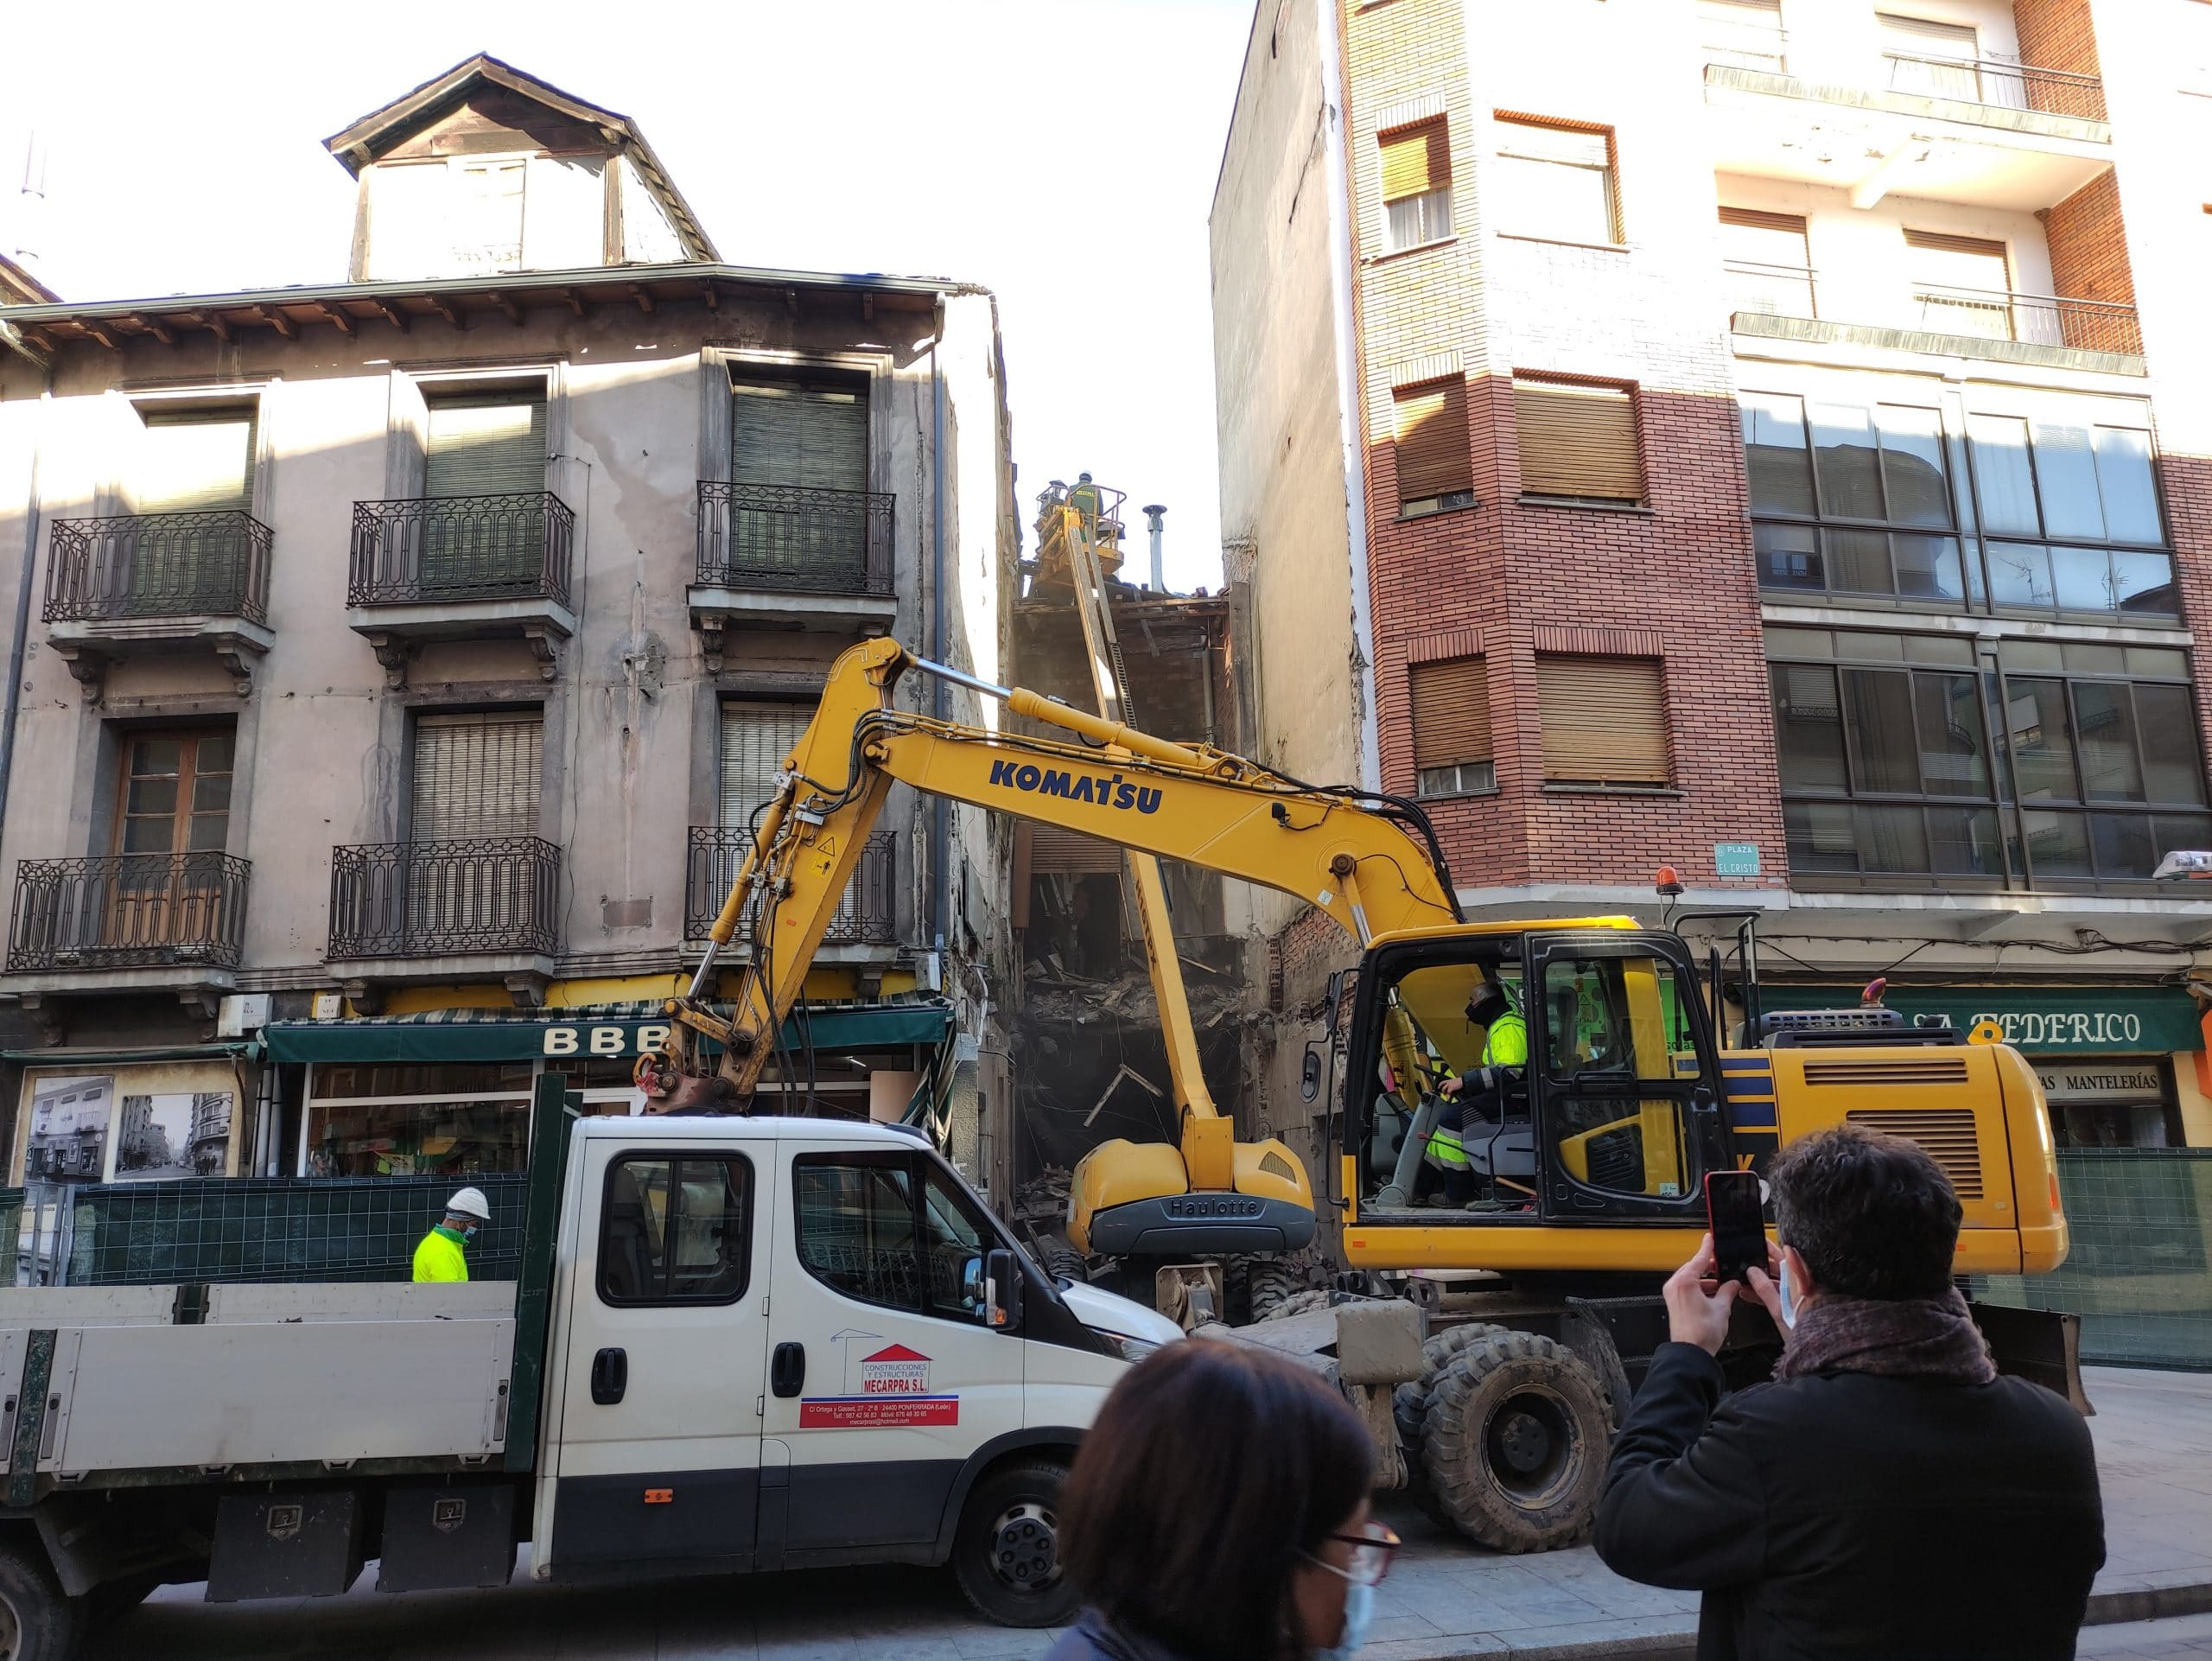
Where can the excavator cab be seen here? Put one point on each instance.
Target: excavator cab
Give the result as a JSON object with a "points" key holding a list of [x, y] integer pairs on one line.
{"points": [[1590, 1097]]}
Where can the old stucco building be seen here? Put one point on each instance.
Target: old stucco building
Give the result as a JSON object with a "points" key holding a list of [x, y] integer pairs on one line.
{"points": [[403, 658]]}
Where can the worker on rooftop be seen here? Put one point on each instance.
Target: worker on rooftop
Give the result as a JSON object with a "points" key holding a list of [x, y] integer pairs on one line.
{"points": [[443, 1255]]}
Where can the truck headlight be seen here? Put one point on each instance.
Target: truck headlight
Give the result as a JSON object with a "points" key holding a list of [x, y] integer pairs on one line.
{"points": [[1128, 1348]]}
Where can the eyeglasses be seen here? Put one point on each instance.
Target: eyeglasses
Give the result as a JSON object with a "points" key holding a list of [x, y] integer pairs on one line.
{"points": [[1370, 1555]]}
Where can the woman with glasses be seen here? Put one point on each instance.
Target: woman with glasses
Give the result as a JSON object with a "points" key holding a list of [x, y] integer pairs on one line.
{"points": [[1218, 1511]]}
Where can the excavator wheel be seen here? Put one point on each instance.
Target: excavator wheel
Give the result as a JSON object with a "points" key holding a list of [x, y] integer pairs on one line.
{"points": [[1514, 1440], [1066, 1265], [1298, 1303], [1274, 1279], [1409, 1408]]}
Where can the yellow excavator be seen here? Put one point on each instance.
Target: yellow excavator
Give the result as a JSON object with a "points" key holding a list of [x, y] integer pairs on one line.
{"points": [[1578, 1175]]}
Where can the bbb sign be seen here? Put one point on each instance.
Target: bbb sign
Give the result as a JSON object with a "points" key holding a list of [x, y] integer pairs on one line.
{"points": [[612, 1037]]}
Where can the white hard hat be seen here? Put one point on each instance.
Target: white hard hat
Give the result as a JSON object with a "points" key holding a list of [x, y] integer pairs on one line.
{"points": [[470, 1202]]}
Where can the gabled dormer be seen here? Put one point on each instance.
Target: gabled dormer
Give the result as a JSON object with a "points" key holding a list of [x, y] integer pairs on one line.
{"points": [[488, 169]]}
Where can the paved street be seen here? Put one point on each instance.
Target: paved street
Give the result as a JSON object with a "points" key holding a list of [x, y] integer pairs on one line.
{"points": [[2154, 1443]]}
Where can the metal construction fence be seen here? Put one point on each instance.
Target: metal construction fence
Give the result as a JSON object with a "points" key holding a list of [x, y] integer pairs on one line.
{"points": [[2139, 1274], [248, 1228]]}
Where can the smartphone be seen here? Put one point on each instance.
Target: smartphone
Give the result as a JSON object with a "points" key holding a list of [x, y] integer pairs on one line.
{"points": [[1732, 1207]]}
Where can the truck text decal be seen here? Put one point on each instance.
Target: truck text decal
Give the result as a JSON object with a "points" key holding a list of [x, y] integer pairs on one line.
{"points": [[1108, 790]]}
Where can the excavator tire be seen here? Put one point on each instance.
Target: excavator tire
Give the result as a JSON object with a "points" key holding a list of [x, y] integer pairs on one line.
{"points": [[1514, 1440], [1409, 1407], [1066, 1265], [1298, 1303], [1274, 1279]]}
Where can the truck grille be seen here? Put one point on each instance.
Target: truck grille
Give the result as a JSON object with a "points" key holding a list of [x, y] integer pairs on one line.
{"points": [[1914, 1070], [1947, 1133]]}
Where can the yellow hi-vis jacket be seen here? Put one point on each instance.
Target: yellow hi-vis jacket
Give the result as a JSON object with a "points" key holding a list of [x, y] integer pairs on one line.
{"points": [[440, 1257], [1506, 1044]]}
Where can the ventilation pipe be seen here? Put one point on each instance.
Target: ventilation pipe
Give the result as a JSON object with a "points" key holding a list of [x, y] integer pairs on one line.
{"points": [[31, 208], [1152, 515]]}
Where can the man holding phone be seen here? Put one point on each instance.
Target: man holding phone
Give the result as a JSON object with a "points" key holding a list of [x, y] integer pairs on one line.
{"points": [[1887, 1494]]}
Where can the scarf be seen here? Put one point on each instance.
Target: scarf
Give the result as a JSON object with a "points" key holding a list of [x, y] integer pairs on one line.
{"points": [[1903, 1338]]}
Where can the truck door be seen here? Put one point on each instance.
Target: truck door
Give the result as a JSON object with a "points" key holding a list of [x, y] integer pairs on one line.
{"points": [[659, 1448], [1624, 1078], [884, 1377]]}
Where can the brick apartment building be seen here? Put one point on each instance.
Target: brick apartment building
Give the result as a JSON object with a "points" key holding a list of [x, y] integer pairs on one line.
{"points": [[1765, 436]]}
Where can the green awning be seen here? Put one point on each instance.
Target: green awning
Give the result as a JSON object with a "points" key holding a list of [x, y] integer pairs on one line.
{"points": [[494, 1035], [2037, 1020], [103, 1054]]}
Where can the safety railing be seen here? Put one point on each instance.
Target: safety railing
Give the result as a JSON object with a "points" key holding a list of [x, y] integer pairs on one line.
{"points": [[2033, 319], [1770, 290], [867, 915], [127, 911], [436, 899], [209, 564], [795, 538], [1998, 85], [517, 545]]}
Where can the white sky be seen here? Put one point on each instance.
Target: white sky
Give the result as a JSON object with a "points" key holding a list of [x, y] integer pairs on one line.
{"points": [[1061, 151]]}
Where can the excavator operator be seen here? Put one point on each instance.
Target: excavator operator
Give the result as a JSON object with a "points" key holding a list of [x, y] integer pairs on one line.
{"points": [[1482, 1090]]}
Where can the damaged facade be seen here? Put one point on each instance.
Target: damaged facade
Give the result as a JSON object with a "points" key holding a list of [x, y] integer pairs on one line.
{"points": [[407, 655]]}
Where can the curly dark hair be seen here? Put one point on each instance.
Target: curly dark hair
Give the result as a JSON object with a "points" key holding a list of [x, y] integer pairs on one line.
{"points": [[1210, 1468], [1872, 1215]]}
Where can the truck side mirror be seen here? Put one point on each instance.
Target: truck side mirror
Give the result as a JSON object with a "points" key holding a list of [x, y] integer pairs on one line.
{"points": [[1003, 1291], [1309, 1077]]}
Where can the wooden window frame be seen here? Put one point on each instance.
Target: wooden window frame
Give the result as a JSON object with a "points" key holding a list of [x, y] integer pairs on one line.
{"points": [[187, 776], [1539, 382], [1615, 214], [1436, 132]]}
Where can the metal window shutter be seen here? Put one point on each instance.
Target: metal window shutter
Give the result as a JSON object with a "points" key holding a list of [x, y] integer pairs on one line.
{"points": [[485, 445], [1763, 239], [782, 433], [1057, 852], [1604, 720], [755, 739], [476, 775], [1432, 436], [196, 462], [1451, 711], [1544, 141], [1948, 261], [1916, 36], [1578, 441], [1415, 160]]}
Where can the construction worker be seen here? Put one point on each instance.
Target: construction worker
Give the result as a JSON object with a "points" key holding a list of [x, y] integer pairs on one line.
{"points": [[1084, 499], [1481, 1091], [443, 1256]]}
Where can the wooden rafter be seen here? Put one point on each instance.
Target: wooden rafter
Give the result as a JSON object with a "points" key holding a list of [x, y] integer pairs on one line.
{"points": [[276, 317], [159, 330], [347, 325], [514, 311], [712, 296], [100, 332], [645, 300], [576, 300], [215, 324], [445, 309], [392, 314]]}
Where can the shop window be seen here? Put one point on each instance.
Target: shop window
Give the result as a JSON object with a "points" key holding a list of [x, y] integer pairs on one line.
{"points": [[675, 1229], [866, 1228], [1416, 185], [444, 1119]]}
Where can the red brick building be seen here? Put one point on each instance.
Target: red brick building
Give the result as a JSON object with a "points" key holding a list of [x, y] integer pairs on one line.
{"points": [[1763, 436]]}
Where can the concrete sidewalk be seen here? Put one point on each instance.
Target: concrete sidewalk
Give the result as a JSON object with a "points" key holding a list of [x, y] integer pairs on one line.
{"points": [[1444, 1599]]}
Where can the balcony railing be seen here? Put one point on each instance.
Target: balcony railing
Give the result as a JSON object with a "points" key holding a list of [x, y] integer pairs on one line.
{"points": [[867, 915], [213, 563], [438, 898], [2000, 85], [787, 537], [2034, 319], [460, 548], [1770, 290], [127, 911]]}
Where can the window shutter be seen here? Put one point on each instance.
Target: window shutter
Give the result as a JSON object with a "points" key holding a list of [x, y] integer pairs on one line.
{"points": [[476, 775], [1451, 711], [1763, 239], [1432, 437], [1938, 258], [1415, 160], [755, 739], [1057, 852], [1542, 141], [1604, 720], [196, 461], [1925, 37], [783, 433], [1578, 441], [485, 444]]}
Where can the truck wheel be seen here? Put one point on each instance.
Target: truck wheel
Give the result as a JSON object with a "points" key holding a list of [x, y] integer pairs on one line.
{"points": [[1297, 1303], [1514, 1441], [37, 1622], [1274, 1279], [1005, 1554]]}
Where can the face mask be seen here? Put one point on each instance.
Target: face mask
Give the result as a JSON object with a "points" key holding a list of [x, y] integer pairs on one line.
{"points": [[1789, 1297], [468, 1232], [1359, 1615]]}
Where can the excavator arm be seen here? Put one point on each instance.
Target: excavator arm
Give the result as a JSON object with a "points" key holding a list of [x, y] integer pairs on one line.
{"points": [[1338, 849]]}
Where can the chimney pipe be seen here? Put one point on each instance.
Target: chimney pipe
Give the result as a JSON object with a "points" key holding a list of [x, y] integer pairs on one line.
{"points": [[30, 209], [1152, 518]]}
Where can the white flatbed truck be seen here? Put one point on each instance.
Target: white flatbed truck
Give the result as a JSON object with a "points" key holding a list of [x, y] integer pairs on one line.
{"points": [[736, 1345]]}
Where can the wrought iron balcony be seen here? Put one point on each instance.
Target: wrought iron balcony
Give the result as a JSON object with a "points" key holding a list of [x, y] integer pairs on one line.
{"points": [[2033, 319], [867, 915], [1999, 85], [790, 538], [1770, 290], [489, 894], [127, 911], [455, 549], [150, 566]]}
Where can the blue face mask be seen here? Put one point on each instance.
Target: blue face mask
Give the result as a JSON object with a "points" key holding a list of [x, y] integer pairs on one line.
{"points": [[1359, 1615], [1789, 1297], [468, 1232]]}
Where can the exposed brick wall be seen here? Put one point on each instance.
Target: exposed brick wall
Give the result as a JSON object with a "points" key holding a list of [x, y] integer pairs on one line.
{"points": [[2090, 261], [2056, 35]]}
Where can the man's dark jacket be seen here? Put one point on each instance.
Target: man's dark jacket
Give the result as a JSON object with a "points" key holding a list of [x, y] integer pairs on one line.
{"points": [[1845, 1514]]}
